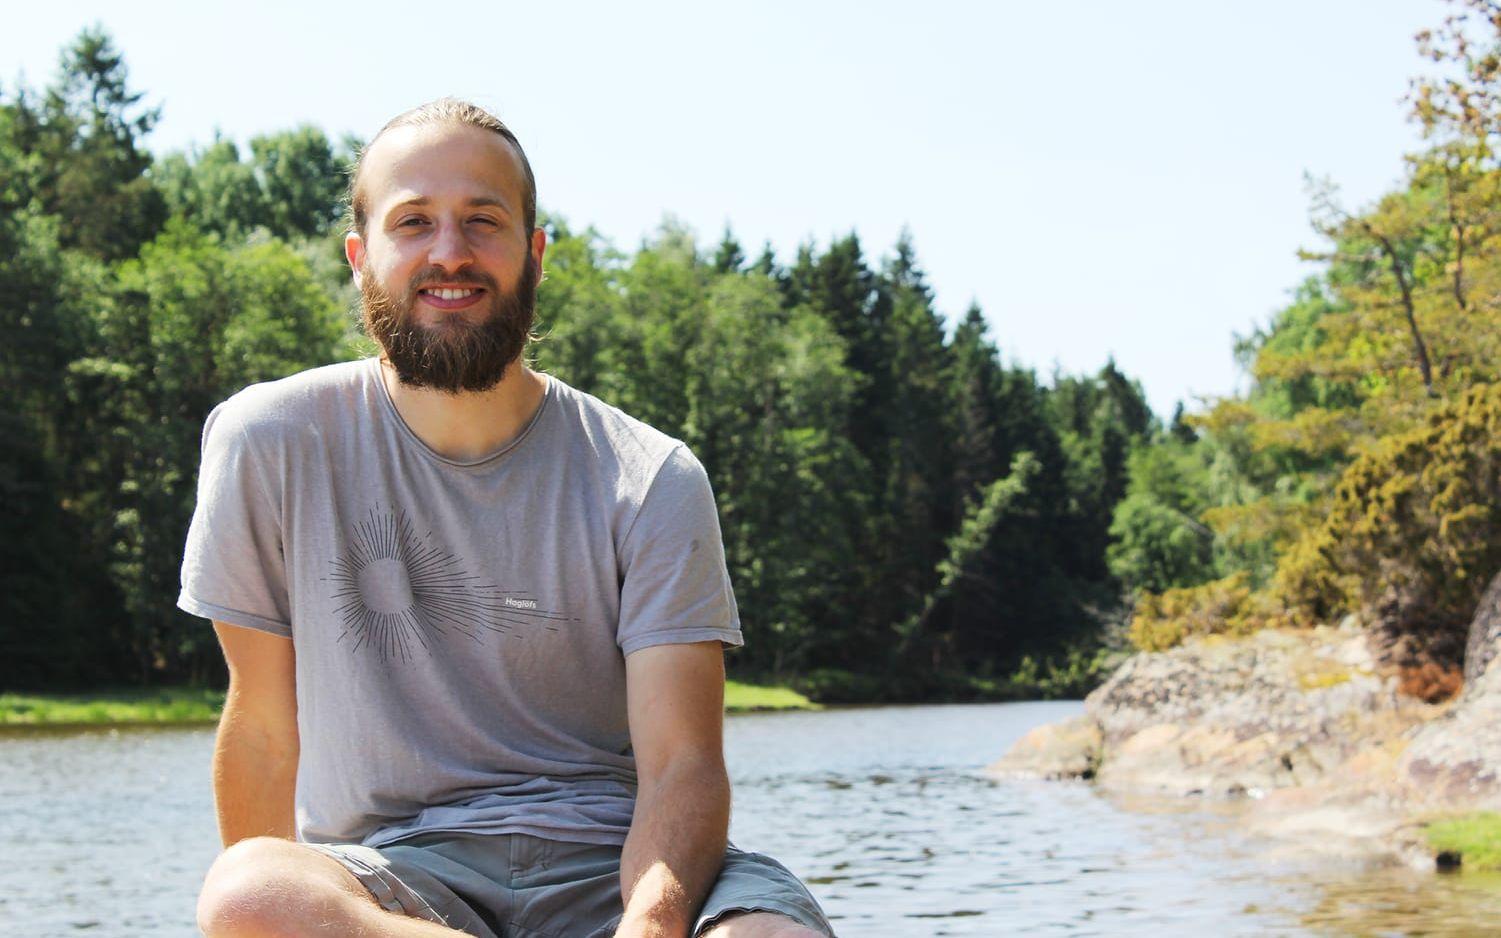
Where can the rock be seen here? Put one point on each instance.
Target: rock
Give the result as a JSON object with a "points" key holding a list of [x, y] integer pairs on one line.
{"points": [[1311, 728], [1455, 761], [1230, 717], [1485, 633], [1061, 750]]}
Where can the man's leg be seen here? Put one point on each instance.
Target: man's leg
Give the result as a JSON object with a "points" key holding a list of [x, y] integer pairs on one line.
{"points": [[265, 886], [760, 925], [757, 897]]}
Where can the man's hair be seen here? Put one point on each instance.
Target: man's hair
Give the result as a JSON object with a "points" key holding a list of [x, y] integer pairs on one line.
{"points": [[443, 111]]}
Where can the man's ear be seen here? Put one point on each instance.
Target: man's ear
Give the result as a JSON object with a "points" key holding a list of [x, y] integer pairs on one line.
{"points": [[538, 248], [354, 251]]}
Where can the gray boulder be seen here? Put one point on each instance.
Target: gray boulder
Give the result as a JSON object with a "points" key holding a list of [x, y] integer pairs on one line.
{"points": [[1455, 762], [1485, 633], [1247, 716]]}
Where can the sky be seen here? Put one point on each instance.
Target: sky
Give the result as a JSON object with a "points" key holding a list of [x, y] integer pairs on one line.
{"points": [[1103, 179]]}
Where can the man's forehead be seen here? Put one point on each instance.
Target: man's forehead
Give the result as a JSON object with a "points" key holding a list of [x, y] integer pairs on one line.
{"points": [[412, 162]]}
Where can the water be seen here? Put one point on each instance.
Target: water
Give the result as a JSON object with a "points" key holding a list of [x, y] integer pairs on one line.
{"points": [[884, 811]]}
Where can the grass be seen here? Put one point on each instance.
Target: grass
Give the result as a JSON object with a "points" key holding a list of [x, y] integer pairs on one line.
{"points": [[165, 705], [1475, 839], [188, 705], [740, 698]]}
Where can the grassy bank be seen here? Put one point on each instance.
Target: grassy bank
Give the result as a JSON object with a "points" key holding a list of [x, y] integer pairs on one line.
{"points": [[742, 698], [1473, 841], [188, 706], [156, 705]]}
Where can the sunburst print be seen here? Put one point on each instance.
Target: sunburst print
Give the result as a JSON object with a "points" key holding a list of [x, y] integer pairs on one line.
{"points": [[398, 591]]}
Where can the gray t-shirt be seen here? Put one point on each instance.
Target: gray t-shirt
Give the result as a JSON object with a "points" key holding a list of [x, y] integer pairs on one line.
{"points": [[460, 627]]}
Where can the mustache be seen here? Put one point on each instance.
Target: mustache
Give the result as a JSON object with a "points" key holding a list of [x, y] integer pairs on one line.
{"points": [[435, 275]]}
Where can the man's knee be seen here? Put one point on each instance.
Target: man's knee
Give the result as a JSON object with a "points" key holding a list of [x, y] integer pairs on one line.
{"points": [[266, 886], [760, 925]]}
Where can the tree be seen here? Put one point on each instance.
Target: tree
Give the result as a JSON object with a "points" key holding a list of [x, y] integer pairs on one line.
{"points": [[292, 186], [767, 394], [303, 179], [213, 189], [1158, 541], [88, 167], [188, 322], [916, 495], [728, 257]]}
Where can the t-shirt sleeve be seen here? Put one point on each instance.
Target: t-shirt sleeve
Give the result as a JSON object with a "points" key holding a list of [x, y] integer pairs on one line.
{"points": [[676, 587], [232, 567]]}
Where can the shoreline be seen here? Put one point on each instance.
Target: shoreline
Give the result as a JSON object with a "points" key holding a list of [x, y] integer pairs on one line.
{"points": [[139, 708], [1309, 731]]}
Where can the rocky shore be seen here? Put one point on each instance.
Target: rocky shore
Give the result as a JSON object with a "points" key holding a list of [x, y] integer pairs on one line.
{"points": [[1311, 729]]}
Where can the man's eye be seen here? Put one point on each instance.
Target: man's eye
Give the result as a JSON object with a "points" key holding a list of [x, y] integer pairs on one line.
{"points": [[486, 220], [407, 222]]}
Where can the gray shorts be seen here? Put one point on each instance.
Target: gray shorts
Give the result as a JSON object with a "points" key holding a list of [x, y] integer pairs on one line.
{"points": [[520, 886]]}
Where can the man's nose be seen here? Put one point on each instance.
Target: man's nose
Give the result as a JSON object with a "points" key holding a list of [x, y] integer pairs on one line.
{"points": [[450, 249]]}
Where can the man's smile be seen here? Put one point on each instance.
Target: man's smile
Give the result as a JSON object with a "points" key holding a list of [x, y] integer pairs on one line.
{"points": [[451, 297]]}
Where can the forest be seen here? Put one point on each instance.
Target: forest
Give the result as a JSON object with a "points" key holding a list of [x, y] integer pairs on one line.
{"points": [[908, 513]]}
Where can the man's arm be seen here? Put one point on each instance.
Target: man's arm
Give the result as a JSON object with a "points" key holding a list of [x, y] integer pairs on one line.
{"points": [[675, 703], [255, 752]]}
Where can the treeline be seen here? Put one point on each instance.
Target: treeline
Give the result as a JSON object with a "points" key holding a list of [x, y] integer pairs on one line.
{"points": [[1362, 472], [905, 513]]}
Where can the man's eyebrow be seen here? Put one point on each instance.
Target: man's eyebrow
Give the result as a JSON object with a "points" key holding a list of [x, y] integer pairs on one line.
{"points": [[477, 201]]}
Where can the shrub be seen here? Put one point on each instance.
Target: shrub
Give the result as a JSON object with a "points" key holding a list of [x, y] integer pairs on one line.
{"points": [[1411, 538], [1164, 620]]}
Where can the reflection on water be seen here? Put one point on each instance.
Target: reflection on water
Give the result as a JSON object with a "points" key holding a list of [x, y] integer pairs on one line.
{"points": [[1405, 902], [883, 810]]}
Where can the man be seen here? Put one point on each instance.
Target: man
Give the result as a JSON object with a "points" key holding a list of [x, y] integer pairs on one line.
{"points": [[474, 618]]}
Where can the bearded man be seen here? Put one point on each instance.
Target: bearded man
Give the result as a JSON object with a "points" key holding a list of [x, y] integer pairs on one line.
{"points": [[474, 618]]}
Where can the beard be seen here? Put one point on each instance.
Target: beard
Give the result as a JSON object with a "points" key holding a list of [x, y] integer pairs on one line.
{"points": [[455, 355]]}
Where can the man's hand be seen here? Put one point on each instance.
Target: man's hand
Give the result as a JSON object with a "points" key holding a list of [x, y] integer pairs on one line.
{"points": [[672, 855], [255, 751]]}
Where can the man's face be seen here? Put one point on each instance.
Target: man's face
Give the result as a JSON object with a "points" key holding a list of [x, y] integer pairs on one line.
{"points": [[447, 270]]}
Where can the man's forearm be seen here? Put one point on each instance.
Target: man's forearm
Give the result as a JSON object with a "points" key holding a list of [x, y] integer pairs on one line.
{"points": [[255, 773], [674, 849]]}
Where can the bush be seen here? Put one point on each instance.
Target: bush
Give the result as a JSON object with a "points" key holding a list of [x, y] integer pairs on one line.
{"points": [[1411, 539], [832, 685], [1164, 620], [1080, 671]]}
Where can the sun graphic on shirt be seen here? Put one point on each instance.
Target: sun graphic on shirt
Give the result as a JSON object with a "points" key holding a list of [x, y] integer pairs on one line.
{"points": [[397, 590]]}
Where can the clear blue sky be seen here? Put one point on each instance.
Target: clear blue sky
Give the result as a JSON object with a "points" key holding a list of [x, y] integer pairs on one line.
{"points": [[1102, 177]]}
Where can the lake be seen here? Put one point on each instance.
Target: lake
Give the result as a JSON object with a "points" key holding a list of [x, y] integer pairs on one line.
{"points": [[883, 810]]}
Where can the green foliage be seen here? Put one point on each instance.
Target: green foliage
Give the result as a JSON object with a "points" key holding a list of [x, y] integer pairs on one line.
{"points": [[764, 388], [1358, 473], [740, 697], [215, 190], [1071, 676], [81, 155], [198, 705], [291, 186], [1157, 539], [175, 705], [192, 322], [870, 469], [840, 686], [1422, 509], [982, 518], [1219, 607]]}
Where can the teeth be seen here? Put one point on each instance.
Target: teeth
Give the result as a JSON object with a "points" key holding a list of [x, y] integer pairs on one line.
{"points": [[451, 294]]}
